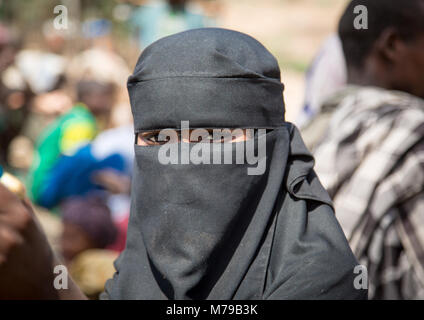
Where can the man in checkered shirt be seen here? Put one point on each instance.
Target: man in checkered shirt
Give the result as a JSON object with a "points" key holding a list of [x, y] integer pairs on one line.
{"points": [[368, 142]]}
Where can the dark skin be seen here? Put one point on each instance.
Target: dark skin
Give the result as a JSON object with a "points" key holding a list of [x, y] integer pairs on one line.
{"points": [[394, 63], [26, 259]]}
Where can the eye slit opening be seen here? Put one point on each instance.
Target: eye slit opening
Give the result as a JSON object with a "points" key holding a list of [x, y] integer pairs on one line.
{"points": [[149, 138]]}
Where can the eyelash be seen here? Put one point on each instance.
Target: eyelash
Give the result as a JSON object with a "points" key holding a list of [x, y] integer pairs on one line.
{"points": [[153, 138]]}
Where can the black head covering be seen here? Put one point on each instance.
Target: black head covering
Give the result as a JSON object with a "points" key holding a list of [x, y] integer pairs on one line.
{"points": [[211, 77], [212, 231]]}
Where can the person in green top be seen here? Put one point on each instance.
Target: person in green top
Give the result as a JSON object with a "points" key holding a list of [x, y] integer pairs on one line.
{"points": [[69, 132]]}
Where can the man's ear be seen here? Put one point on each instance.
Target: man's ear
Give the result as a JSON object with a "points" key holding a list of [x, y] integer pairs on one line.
{"points": [[390, 46]]}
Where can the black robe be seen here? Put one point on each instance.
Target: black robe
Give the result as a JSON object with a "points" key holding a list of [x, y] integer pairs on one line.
{"points": [[209, 231]]}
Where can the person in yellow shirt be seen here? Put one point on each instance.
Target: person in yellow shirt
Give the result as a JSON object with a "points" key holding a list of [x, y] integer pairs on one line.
{"points": [[69, 132]]}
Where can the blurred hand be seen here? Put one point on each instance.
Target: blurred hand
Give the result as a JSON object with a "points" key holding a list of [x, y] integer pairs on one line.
{"points": [[26, 259]]}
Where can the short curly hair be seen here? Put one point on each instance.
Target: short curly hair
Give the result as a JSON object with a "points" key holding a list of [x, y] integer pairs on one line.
{"points": [[405, 16]]}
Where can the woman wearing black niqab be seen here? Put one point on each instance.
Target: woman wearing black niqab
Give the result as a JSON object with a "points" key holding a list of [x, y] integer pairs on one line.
{"points": [[207, 231]]}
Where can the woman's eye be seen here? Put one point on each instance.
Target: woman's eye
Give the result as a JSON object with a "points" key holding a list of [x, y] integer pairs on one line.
{"points": [[154, 139]]}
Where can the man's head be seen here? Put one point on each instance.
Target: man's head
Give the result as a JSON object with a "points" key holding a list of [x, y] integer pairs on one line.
{"points": [[87, 224], [390, 52], [98, 97]]}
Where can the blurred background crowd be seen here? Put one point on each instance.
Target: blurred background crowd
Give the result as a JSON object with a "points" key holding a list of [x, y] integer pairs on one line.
{"points": [[65, 120]]}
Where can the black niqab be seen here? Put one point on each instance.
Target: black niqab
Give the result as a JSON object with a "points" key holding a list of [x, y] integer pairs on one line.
{"points": [[210, 231]]}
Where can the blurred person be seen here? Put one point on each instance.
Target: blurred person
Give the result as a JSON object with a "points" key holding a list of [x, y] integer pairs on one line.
{"points": [[37, 76], [87, 224], [14, 93], [103, 164], [371, 158], [14, 109], [326, 76], [100, 62], [209, 231], [88, 230], [43, 110], [112, 142], [116, 141], [69, 132], [43, 64], [160, 18]]}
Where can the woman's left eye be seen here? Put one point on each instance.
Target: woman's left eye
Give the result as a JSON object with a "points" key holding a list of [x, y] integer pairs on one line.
{"points": [[154, 138]]}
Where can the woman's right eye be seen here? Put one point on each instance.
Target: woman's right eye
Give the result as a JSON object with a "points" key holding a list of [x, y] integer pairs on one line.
{"points": [[154, 138]]}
